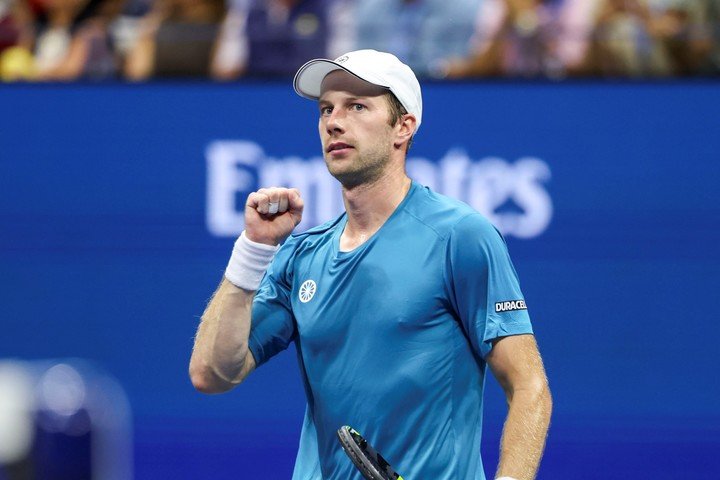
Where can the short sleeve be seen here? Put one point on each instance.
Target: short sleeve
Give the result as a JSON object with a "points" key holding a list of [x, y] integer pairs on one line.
{"points": [[273, 324], [483, 285]]}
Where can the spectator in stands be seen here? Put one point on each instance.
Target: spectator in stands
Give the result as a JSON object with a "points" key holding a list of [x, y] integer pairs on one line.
{"points": [[270, 37], [681, 29], [89, 39], [125, 28], [176, 40], [623, 45], [421, 33], [527, 38], [641, 38], [16, 40], [56, 21], [90, 54], [710, 39]]}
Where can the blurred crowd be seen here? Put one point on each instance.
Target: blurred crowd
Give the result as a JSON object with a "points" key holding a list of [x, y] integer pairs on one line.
{"points": [[63, 40]]}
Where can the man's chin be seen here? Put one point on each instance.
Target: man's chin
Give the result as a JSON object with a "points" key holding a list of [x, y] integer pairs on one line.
{"points": [[350, 179]]}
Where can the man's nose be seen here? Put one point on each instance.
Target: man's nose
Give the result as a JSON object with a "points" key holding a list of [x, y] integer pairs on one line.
{"points": [[335, 122]]}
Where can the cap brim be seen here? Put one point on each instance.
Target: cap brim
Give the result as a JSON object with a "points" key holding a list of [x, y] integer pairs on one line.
{"points": [[308, 79]]}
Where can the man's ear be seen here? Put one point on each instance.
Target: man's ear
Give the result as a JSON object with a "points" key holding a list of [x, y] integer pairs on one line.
{"points": [[406, 129]]}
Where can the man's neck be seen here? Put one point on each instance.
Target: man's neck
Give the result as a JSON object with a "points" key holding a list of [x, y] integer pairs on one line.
{"points": [[369, 205]]}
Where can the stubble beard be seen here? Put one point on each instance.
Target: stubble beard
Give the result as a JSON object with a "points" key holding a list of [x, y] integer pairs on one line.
{"points": [[366, 169]]}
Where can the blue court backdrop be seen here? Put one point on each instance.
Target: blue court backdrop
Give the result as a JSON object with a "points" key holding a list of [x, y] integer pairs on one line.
{"points": [[119, 205]]}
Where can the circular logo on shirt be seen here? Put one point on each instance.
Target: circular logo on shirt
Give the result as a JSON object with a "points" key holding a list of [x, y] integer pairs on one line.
{"points": [[307, 291]]}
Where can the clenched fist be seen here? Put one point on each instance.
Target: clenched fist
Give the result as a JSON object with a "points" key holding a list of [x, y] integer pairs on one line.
{"points": [[271, 214]]}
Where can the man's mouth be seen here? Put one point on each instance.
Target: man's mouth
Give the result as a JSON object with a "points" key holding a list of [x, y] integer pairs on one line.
{"points": [[335, 146]]}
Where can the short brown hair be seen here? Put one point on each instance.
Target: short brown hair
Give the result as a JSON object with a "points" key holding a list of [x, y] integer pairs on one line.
{"points": [[397, 110]]}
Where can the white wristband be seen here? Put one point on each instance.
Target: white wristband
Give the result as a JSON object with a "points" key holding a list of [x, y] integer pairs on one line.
{"points": [[506, 478], [248, 262]]}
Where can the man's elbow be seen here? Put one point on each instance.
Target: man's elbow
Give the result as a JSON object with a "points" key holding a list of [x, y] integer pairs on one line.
{"points": [[542, 396], [546, 399], [537, 391], [206, 381]]}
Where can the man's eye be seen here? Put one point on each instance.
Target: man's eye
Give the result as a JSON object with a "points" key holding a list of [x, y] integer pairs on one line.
{"points": [[358, 107], [325, 111]]}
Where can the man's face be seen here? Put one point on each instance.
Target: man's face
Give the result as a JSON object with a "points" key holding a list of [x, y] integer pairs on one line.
{"points": [[356, 135]]}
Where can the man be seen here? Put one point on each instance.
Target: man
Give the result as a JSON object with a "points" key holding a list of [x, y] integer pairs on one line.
{"points": [[396, 307]]}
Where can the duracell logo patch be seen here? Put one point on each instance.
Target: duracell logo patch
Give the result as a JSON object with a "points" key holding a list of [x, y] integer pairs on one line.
{"points": [[510, 306]]}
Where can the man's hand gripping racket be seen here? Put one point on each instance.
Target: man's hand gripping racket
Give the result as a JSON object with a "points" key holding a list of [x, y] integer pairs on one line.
{"points": [[370, 463]]}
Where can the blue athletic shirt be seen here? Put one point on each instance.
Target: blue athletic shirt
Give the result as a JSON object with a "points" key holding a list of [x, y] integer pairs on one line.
{"points": [[391, 336]]}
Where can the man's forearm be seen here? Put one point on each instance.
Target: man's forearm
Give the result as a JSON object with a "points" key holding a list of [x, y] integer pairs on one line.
{"points": [[524, 433], [221, 344]]}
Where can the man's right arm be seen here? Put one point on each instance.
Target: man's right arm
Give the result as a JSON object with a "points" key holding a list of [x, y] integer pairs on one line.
{"points": [[221, 358]]}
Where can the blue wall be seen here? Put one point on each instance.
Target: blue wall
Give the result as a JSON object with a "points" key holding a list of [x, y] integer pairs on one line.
{"points": [[108, 252]]}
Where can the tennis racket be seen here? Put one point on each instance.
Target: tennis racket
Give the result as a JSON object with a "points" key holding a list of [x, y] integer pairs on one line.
{"points": [[370, 463]]}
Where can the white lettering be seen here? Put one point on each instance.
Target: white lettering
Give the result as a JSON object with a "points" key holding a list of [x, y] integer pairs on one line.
{"points": [[511, 195], [528, 193], [232, 169], [510, 306]]}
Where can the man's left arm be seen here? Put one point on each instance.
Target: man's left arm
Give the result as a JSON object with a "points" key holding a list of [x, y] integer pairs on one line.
{"points": [[515, 361]]}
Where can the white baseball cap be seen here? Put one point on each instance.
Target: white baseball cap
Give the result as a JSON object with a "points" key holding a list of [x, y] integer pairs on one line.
{"points": [[379, 68]]}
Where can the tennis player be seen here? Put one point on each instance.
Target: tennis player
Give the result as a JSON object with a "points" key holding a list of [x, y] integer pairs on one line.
{"points": [[396, 307]]}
